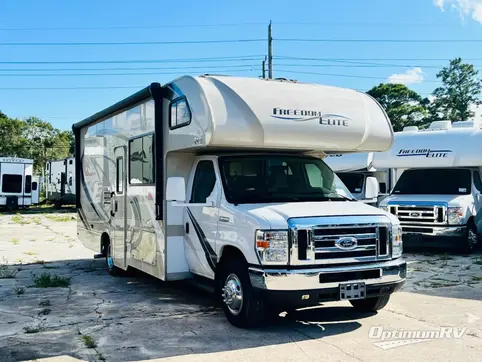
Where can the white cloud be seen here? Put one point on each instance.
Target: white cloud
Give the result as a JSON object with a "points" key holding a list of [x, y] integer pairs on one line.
{"points": [[465, 8], [411, 76]]}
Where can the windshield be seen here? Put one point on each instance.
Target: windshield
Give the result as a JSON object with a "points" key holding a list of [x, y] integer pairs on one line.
{"points": [[436, 181], [264, 179], [353, 181]]}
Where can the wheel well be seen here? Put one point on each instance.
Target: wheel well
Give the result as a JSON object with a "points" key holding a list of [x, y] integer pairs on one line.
{"points": [[471, 221], [228, 253], [104, 243]]}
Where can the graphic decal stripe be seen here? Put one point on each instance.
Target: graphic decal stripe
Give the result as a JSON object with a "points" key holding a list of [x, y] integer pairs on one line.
{"points": [[211, 256]]}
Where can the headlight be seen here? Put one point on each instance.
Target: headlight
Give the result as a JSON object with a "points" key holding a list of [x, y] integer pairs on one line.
{"points": [[397, 243], [272, 246], [455, 215]]}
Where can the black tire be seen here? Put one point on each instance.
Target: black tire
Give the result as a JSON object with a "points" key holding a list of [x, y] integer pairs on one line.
{"points": [[234, 277], [370, 304], [109, 262], [469, 240]]}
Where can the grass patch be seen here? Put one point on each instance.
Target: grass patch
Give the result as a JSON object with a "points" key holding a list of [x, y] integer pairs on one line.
{"points": [[18, 290], [442, 285], [33, 329], [41, 262], [467, 267], [59, 218], [37, 220], [89, 342], [6, 272], [15, 241], [46, 280], [45, 311], [31, 253], [477, 278], [45, 303], [478, 261]]}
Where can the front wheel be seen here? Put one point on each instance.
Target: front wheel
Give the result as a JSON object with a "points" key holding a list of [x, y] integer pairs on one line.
{"points": [[470, 240], [370, 304], [241, 307]]}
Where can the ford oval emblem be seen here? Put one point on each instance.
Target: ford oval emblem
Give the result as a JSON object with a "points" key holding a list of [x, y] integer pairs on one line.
{"points": [[346, 243], [415, 214]]}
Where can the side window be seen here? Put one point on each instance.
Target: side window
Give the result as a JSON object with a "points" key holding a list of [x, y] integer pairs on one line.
{"points": [[477, 181], [12, 183], [119, 175], [28, 184], [314, 175], [204, 181], [34, 186], [141, 160], [71, 162], [179, 113]]}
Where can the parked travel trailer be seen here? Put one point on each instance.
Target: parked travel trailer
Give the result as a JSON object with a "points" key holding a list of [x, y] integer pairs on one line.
{"points": [[366, 183], [16, 186], [437, 197], [220, 180], [60, 184]]}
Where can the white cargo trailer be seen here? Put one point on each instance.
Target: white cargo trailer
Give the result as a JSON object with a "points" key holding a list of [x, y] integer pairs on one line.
{"points": [[437, 197], [16, 184], [60, 184], [365, 182], [220, 180]]}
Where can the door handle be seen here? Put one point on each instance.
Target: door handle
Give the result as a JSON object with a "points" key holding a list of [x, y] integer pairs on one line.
{"points": [[187, 228], [115, 206]]}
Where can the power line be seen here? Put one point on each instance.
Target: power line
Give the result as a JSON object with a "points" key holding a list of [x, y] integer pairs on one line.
{"points": [[327, 40], [168, 42], [125, 68], [72, 88], [140, 61], [372, 59]]}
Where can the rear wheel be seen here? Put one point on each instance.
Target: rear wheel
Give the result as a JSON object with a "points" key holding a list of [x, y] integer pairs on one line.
{"points": [[241, 307], [370, 304]]}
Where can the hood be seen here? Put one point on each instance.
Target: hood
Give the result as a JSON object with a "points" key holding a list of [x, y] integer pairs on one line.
{"points": [[450, 200], [278, 214]]}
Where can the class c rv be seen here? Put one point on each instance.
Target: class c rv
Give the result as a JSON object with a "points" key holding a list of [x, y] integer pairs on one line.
{"points": [[366, 183], [220, 180], [17, 189], [437, 197], [60, 185]]}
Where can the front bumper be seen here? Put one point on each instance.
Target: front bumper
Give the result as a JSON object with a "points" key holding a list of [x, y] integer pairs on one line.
{"points": [[428, 230], [393, 271], [439, 237]]}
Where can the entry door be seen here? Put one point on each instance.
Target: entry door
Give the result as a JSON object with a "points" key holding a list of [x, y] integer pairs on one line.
{"points": [[119, 212]]}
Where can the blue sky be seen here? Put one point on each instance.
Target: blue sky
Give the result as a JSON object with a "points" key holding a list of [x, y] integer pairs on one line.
{"points": [[55, 21]]}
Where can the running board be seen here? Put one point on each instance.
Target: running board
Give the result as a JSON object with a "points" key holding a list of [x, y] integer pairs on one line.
{"points": [[98, 256], [202, 283]]}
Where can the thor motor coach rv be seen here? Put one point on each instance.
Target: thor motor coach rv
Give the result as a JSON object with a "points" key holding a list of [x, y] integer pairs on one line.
{"points": [[17, 188], [60, 176], [437, 197], [366, 183], [219, 180]]}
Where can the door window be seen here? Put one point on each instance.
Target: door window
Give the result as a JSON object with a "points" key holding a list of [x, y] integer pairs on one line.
{"points": [[204, 181], [28, 184]]}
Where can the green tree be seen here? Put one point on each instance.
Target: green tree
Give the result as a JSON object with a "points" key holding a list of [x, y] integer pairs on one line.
{"points": [[404, 106], [459, 90]]}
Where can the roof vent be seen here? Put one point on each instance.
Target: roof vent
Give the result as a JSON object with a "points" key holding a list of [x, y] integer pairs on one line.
{"points": [[463, 124], [410, 129], [439, 125]]}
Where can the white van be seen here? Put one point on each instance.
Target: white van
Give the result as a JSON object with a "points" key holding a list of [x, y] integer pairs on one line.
{"points": [[16, 186], [221, 180], [437, 197], [366, 183]]}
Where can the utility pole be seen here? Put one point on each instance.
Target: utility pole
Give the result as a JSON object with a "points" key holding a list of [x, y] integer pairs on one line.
{"points": [[263, 70], [270, 52]]}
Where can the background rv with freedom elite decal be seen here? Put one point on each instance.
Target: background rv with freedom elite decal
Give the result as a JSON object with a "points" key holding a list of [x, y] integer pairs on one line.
{"points": [[220, 180], [366, 183], [17, 189], [60, 181], [437, 197]]}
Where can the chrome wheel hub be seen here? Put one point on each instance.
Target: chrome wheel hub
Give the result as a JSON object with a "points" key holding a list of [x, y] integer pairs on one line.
{"points": [[232, 293]]}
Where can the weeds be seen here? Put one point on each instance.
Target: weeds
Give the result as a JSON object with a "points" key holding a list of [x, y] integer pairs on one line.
{"points": [[60, 218], [36, 220], [45, 311], [33, 329], [478, 261], [477, 278], [467, 267], [41, 262], [18, 290], [15, 241], [44, 303], [6, 272], [19, 219], [46, 280], [31, 253], [89, 341]]}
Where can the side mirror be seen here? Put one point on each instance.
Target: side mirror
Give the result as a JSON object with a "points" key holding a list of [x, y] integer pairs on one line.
{"points": [[371, 187], [176, 189]]}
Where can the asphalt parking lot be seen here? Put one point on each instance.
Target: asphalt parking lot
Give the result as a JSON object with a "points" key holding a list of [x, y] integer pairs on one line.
{"points": [[56, 300]]}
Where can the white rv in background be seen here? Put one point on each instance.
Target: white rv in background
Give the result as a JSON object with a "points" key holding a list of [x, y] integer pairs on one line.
{"points": [[437, 197], [366, 183], [221, 180], [16, 186], [60, 181]]}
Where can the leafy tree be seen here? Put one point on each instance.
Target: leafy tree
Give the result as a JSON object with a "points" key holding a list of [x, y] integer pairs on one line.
{"points": [[459, 90], [404, 106]]}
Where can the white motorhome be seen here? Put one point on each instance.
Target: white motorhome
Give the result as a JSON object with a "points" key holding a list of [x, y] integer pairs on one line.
{"points": [[60, 184], [365, 182], [16, 186], [437, 197], [220, 180]]}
